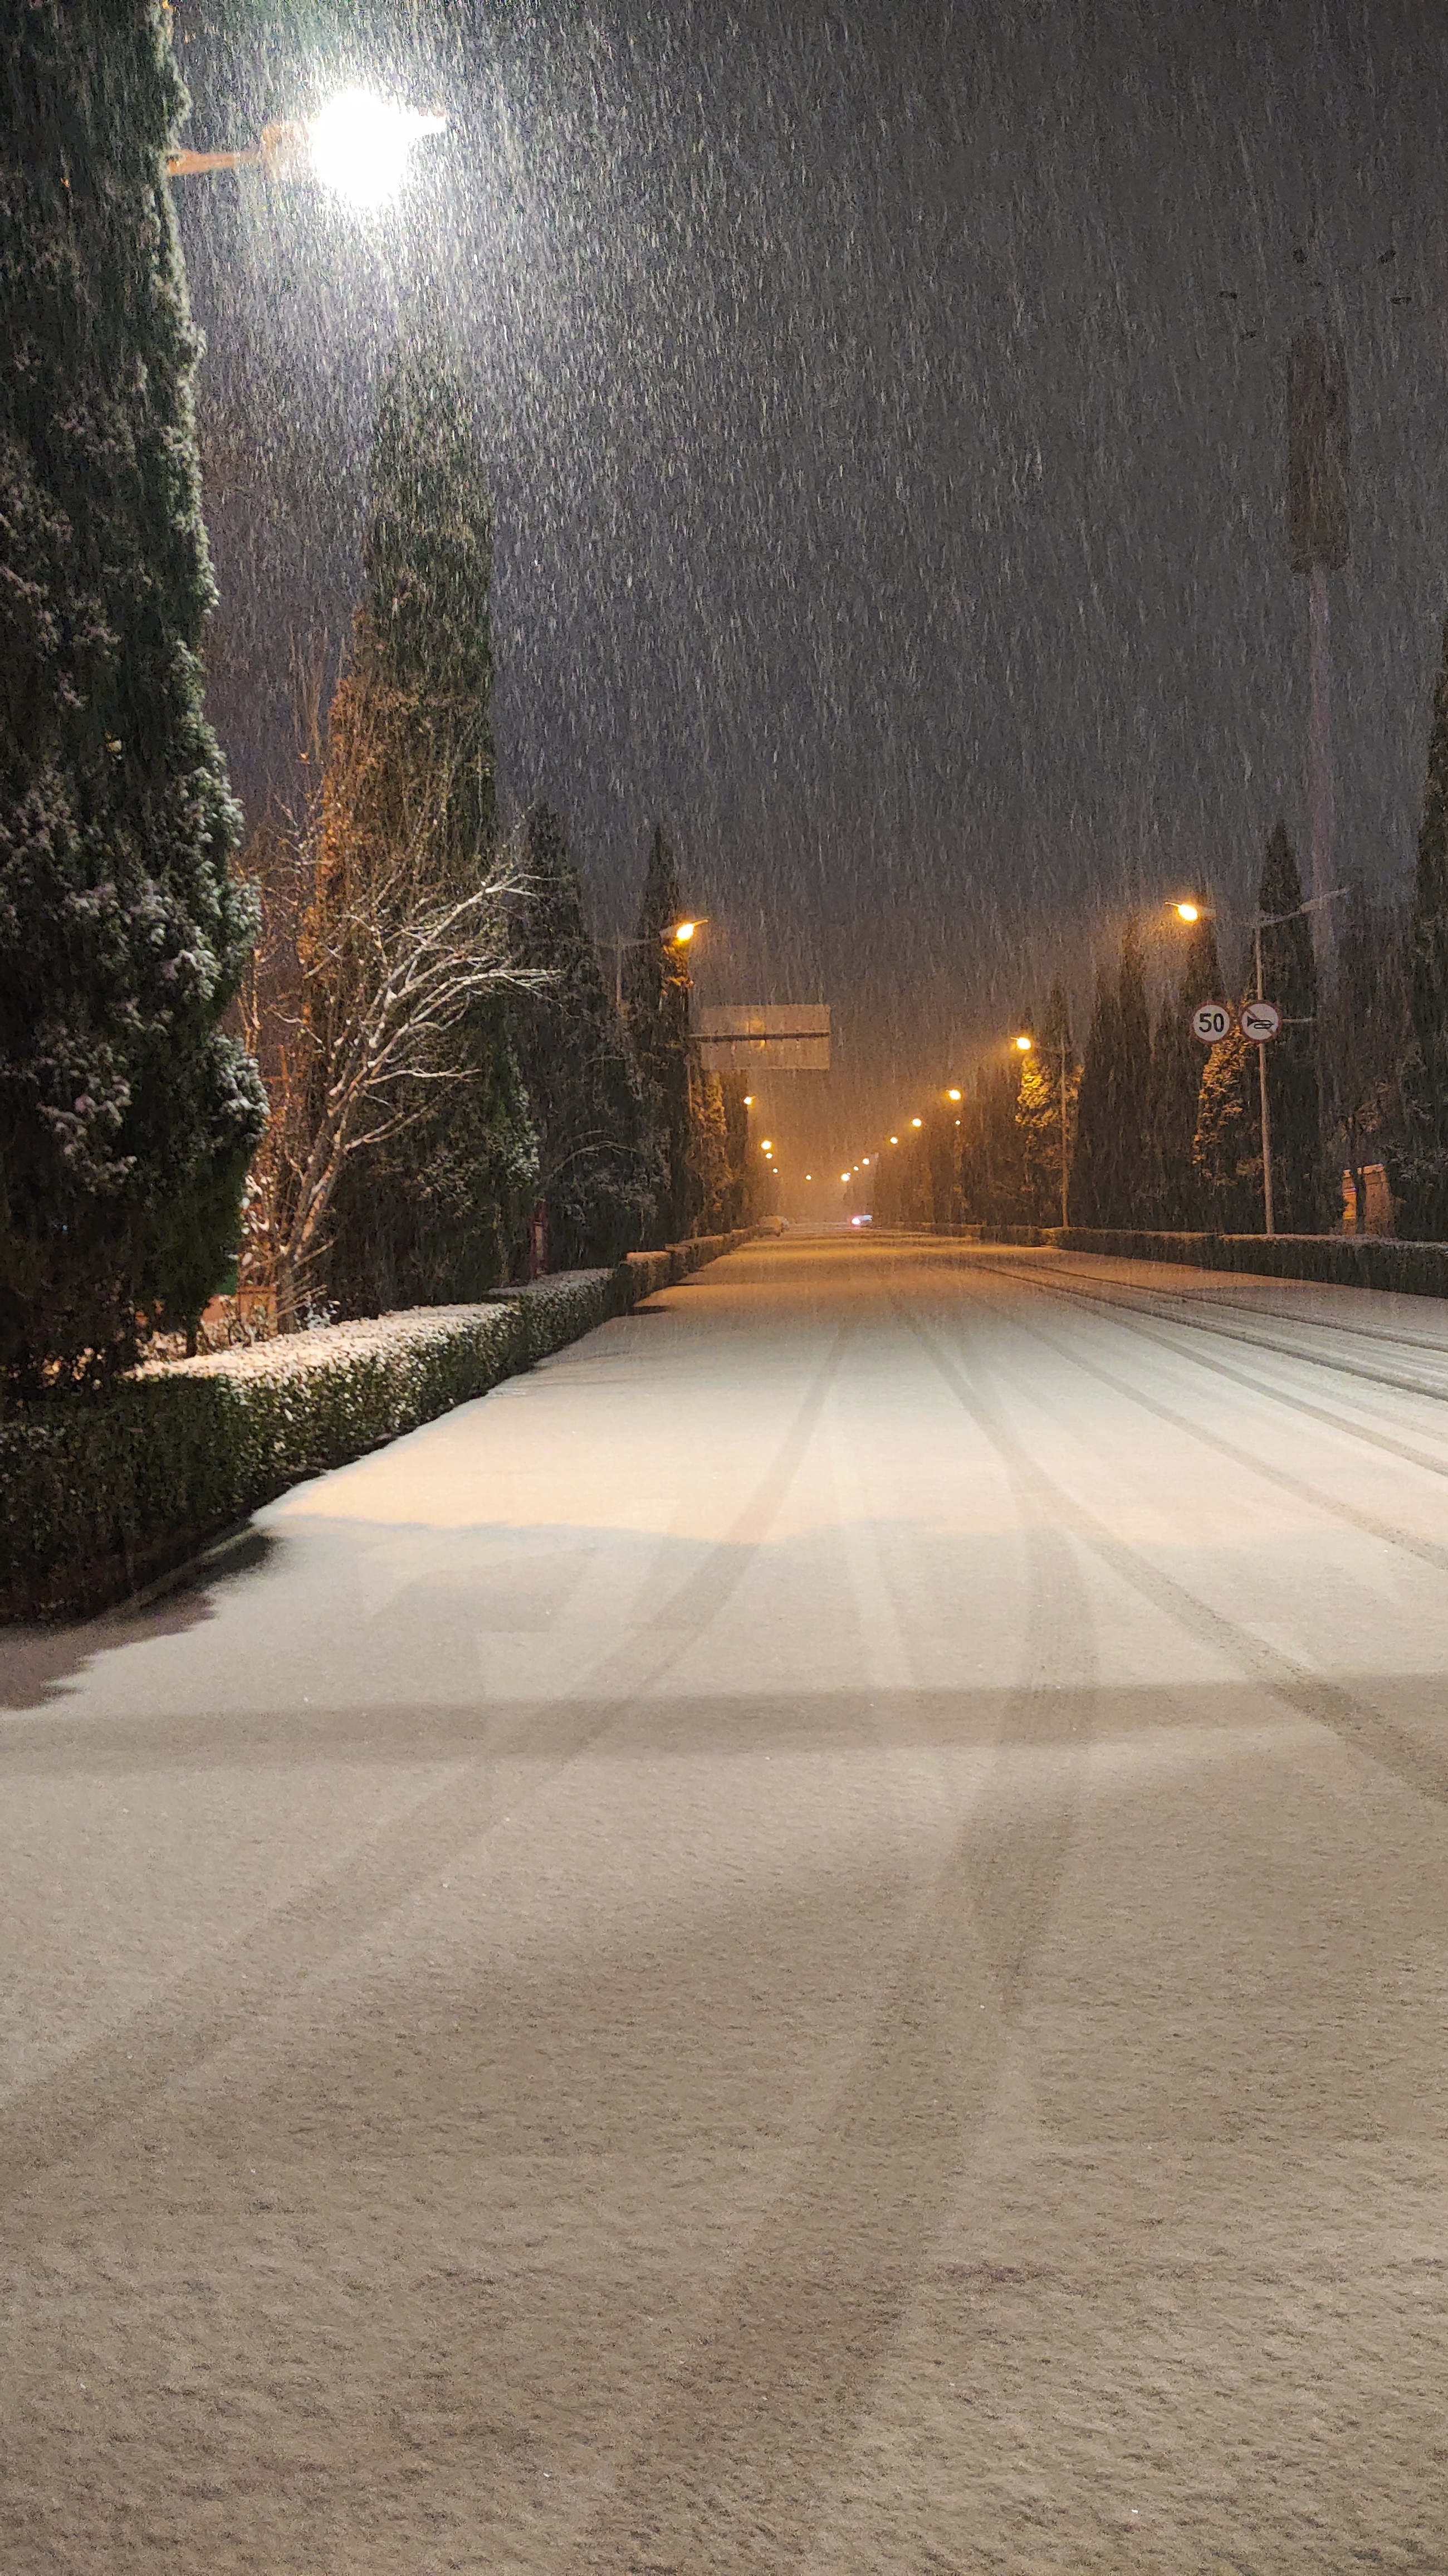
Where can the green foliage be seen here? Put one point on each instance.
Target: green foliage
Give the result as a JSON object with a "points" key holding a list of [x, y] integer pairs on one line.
{"points": [[598, 1164], [657, 989], [1419, 1166], [127, 1117]]}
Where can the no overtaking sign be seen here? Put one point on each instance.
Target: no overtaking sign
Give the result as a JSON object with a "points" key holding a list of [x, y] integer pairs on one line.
{"points": [[1259, 1021]]}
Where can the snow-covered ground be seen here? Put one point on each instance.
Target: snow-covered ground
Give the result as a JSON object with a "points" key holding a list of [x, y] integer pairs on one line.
{"points": [[814, 1938]]}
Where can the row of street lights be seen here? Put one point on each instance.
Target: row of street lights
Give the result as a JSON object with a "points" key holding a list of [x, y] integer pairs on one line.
{"points": [[1188, 911]]}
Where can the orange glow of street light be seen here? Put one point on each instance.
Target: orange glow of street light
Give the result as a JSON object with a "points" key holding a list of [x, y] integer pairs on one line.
{"points": [[894, 1140], [683, 931], [1025, 1045], [917, 1122], [749, 1100], [1188, 912], [844, 1176], [952, 1095]]}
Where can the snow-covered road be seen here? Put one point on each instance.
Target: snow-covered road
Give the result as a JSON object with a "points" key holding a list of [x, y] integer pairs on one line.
{"points": [[814, 1939]]}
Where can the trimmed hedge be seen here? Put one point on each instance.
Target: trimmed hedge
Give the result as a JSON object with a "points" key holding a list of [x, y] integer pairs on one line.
{"points": [[1338, 1260], [101, 1494]]}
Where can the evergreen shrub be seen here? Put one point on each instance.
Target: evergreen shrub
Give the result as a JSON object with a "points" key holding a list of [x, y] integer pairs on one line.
{"points": [[102, 1490]]}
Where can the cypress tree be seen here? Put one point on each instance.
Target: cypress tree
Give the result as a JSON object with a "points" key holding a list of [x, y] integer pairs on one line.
{"points": [[1133, 1141], [1289, 978], [441, 1212], [657, 988], [1176, 1078], [598, 1167], [1094, 1165], [1038, 1113], [1227, 1147], [127, 1118], [1418, 1168]]}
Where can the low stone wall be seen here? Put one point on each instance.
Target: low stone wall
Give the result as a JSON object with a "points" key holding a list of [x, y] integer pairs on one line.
{"points": [[102, 1494]]}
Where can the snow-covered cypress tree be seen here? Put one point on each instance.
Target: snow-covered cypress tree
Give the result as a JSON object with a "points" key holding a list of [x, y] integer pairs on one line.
{"points": [[1038, 1112], [127, 1117], [1227, 1147], [1176, 1077], [1418, 1167], [657, 988], [1133, 1144], [1093, 1191], [440, 1212], [598, 1163]]}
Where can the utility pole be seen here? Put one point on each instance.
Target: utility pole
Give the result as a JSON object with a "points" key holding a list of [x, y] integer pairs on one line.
{"points": [[1317, 543], [1267, 1213]]}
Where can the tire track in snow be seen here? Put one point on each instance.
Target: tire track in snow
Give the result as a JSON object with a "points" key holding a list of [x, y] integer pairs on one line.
{"points": [[758, 2416], [236, 1987], [1416, 1765]]}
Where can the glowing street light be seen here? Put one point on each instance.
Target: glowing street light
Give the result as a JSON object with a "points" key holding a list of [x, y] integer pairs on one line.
{"points": [[749, 1100], [894, 1140], [1188, 912], [683, 931], [1025, 1045], [917, 1122], [844, 1176], [952, 1095], [359, 147], [766, 1147]]}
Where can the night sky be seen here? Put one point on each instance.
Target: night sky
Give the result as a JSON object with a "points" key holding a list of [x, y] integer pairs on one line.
{"points": [[889, 496]]}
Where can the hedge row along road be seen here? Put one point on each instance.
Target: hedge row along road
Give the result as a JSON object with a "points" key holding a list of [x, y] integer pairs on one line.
{"points": [[813, 1938], [102, 1494]]}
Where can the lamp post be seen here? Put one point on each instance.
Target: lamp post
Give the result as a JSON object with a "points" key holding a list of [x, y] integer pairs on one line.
{"points": [[678, 937]]}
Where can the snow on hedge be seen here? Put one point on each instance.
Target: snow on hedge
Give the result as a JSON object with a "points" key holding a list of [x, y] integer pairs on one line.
{"points": [[101, 1492]]}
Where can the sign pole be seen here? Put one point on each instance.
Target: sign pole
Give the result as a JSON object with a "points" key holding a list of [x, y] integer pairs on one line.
{"points": [[1262, 1090]]}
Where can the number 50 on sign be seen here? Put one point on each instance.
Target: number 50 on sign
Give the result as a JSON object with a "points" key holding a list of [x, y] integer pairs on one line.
{"points": [[1211, 1022]]}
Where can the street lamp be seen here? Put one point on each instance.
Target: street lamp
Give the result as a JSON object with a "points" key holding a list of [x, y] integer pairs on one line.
{"points": [[359, 147], [678, 935]]}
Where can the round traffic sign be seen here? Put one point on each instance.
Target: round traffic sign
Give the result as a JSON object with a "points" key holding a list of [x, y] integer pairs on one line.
{"points": [[1259, 1021], [1211, 1022]]}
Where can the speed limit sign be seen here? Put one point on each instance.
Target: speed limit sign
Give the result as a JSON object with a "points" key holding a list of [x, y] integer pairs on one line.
{"points": [[1211, 1022], [1259, 1021]]}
